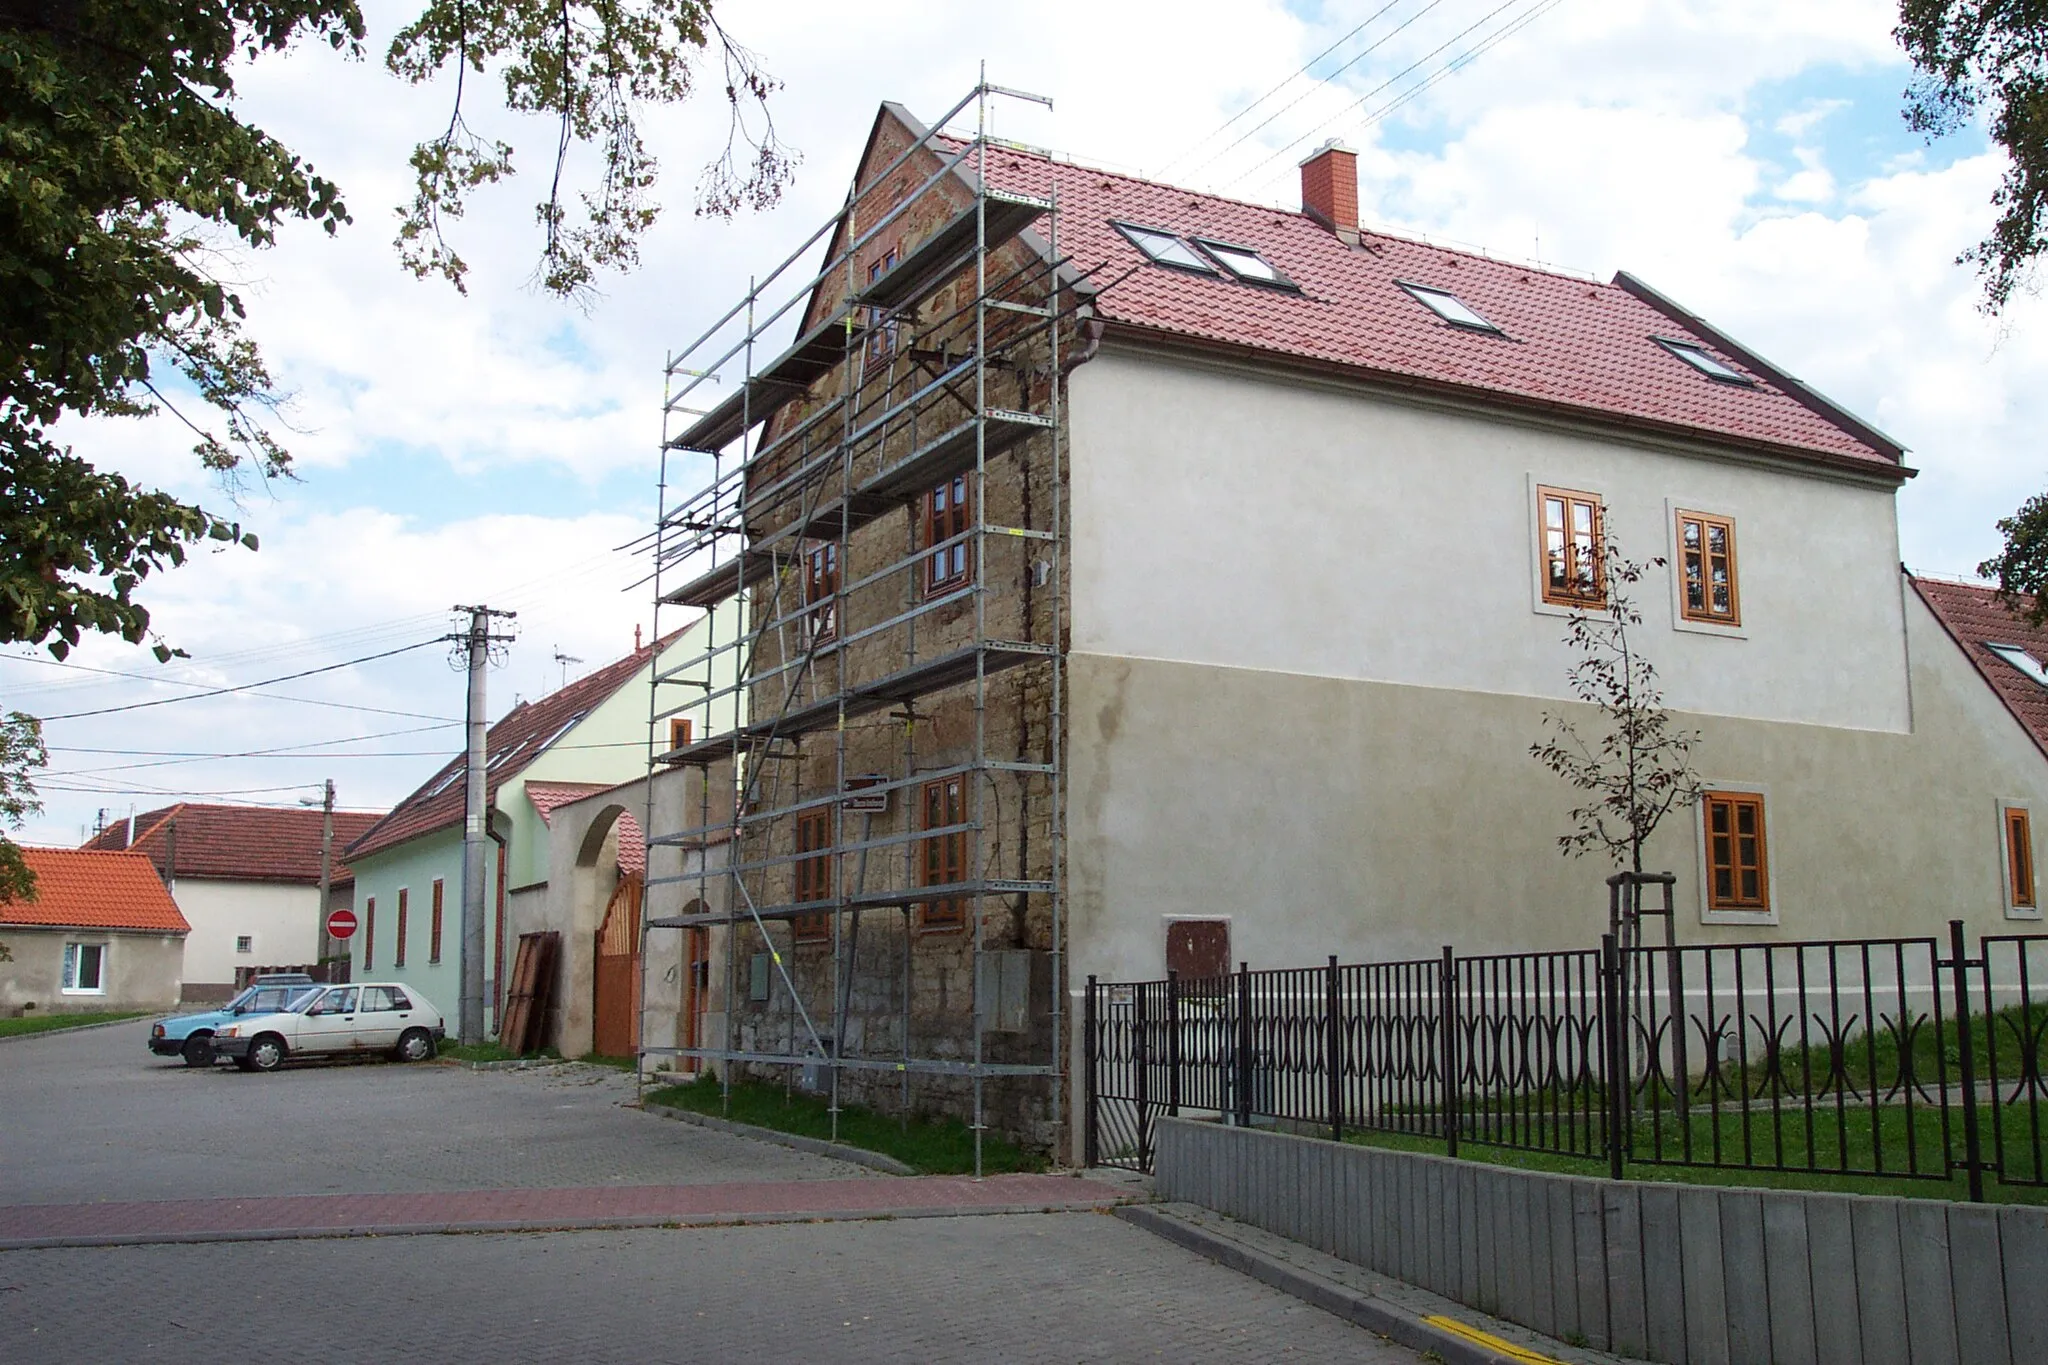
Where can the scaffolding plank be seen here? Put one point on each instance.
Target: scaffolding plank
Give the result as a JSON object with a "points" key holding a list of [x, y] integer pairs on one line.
{"points": [[923, 265], [721, 581], [788, 375]]}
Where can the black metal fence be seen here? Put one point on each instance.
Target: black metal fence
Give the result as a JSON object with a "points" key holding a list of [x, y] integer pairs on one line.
{"points": [[1900, 1058]]}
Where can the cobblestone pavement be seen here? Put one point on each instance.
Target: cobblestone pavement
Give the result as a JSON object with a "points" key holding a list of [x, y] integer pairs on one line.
{"points": [[1030, 1287], [94, 1116]]}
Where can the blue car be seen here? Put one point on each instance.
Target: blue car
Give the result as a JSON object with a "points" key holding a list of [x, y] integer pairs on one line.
{"points": [[191, 1035]]}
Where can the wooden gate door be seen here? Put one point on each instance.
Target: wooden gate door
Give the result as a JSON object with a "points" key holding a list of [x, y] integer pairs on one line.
{"points": [[616, 1010]]}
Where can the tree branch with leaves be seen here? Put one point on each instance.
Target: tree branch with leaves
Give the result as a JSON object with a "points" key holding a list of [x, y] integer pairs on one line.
{"points": [[1630, 760]]}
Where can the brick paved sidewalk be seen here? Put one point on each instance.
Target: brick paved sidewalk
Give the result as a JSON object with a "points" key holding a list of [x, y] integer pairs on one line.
{"points": [[362, 1215]]}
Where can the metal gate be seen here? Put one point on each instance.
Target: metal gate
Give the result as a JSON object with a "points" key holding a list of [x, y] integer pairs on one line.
{"points": [[616, 1008]]}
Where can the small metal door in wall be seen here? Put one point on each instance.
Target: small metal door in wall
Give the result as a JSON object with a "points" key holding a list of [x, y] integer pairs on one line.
{"points": [[1198, 949]]}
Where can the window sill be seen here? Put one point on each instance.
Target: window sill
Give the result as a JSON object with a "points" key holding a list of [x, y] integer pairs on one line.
{"points": [[1708, 628], [82, 990], [1543, 608], [1738, 917], [2026, 912]]}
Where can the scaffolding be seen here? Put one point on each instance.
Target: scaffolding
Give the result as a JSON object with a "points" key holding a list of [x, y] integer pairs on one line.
{"points": [[862, 788]]}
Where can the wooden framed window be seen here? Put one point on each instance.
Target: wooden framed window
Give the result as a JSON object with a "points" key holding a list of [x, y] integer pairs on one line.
{"points": [[946, 512], [1706, 570], [434, 923], [678, 732], [881, 342], [942, 858], [1738, 862], [2020, 893], [1573, 546], [821, 590], [398, 953], [369, 933], [813, 875]]}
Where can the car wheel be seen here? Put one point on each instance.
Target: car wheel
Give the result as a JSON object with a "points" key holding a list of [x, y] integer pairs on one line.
{"points": [[198, 1050], [416, 1045], [265, 1054]]}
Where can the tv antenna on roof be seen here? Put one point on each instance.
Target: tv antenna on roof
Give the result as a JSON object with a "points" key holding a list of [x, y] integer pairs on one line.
{"points": [[565, 660]]}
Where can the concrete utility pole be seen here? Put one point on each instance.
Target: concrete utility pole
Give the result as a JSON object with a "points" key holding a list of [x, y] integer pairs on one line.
{"points": [[326, 866], [478, 640]]}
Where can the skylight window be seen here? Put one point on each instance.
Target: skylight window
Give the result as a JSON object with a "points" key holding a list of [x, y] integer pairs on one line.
{"points": [[2022, 660], [1450, 308], [1166, 249], [1696, 356], [1243, 262]]}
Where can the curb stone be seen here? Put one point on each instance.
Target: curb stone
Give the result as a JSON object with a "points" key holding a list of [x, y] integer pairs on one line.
{"points": [[859, 1156], [141, 1019], [1454, 1342], [510, 1064]]}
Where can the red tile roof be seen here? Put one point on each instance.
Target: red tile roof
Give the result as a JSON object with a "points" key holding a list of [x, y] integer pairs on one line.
{"points": [[1571, 345], [546, 796], [1974, 617], [632, 847], [238, 843], [94, 889], [520, 737]]}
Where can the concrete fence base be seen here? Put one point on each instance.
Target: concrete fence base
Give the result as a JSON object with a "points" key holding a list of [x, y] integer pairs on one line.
{"points": [[1681, 1274]]}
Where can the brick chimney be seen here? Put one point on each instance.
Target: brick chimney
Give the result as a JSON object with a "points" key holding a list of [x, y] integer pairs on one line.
{"points": [[1329, 189]]}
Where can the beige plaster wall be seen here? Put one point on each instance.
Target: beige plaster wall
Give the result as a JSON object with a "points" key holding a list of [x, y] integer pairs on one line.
{"points": [[1374, 820], [282, 920], [142, 971]]}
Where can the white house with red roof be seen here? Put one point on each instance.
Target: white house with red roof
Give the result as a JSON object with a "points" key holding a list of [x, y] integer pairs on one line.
{"points": [[247, 879], [101, 933]]}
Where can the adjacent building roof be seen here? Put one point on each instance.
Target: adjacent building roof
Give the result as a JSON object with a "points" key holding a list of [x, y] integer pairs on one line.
{"points": [[546, 796], [80, 888], [1559, 343], [523, 735], [237, 843], [2012, 655]]}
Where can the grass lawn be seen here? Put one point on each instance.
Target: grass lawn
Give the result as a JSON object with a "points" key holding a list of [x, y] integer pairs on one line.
{"points": [[933, 1146], [485, 1052], [44, 1023]]}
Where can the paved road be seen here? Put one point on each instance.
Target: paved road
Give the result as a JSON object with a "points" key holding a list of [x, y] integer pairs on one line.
{"points": [[93, 1116], [1025, 1287], [90, 1117]]}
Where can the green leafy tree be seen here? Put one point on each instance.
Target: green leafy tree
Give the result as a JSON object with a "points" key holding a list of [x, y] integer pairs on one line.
{"points": [[2021, 568], [21, 752], [1989, 57]]}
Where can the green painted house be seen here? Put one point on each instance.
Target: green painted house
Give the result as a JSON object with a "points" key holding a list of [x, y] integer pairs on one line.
{"points": [[591, 734]]}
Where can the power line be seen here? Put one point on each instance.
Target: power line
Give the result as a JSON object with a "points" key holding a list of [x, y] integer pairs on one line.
{"points": [[180, 682], [244, 687], [1224, 127]]}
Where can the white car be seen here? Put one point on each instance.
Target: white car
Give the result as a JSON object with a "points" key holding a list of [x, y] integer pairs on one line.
{"points": [[371, 1016]]}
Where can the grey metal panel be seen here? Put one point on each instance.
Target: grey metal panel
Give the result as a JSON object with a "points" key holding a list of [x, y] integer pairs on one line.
{"points": [[1880, 1281], [1706, 1297], [1380, 1220], [1831, 1237], [1491, 1217], [1515, 1298], [1472, 1225], [1564, 1260], [1350, 1204], [1930, 1302], [1435, 1242], [1977, 1284], [1745, 1283], [1789, 1270], [1319, 1197], [1663, 1277], [2023, 1241], [1542, 1307], [1406, 1201], [1621, 1209], [1589, 1262]]}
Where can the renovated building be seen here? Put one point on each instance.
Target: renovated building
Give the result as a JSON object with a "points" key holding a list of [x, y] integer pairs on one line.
{"points": [[100, 934], [1140, 579], [247, 879]]}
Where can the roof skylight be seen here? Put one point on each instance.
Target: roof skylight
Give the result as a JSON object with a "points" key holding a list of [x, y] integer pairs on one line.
{"points": [[1450, 308], [1696, 356], [2022, 660], [1243, 262], [1165, 248]]}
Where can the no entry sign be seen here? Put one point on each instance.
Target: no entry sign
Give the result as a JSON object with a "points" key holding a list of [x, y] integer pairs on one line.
{"points": [[341, 924]]}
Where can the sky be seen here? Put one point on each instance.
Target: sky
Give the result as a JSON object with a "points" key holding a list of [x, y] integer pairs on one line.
{"points": [[1746, 157]]}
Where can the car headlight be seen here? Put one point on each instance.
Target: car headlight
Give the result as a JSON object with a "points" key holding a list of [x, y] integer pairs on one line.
{"points": [[228, 1032], [157, 1032]]}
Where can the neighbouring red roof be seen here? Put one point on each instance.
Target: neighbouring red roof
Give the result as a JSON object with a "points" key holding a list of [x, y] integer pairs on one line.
{"points": [[80, 888], [523, 735], [632, 847], [1975, 618], [1571, 345], [238, 843], [546, 796]]}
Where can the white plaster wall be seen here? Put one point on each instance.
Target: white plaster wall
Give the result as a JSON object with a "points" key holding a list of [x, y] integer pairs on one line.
{"points": [[282, 919], [1222, 516], [141, 971]]}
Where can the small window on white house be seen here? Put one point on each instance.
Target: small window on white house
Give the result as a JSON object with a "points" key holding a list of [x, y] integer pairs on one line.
{"points": [[245, 943], [2022, 660], [1166, 249], [1450, 308], [85, 966], [1696, 356]]}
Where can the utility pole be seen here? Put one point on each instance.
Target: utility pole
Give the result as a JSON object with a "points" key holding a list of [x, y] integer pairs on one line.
{"points": [[322, 946], [478, 640]]}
